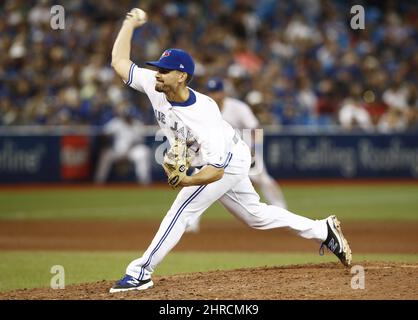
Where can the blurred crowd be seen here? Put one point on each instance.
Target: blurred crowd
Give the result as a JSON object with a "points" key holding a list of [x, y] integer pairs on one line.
{"points": [[295, 62]]}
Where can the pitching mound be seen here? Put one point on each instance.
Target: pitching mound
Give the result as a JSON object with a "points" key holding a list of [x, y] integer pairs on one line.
{"points": [[313, 281]]}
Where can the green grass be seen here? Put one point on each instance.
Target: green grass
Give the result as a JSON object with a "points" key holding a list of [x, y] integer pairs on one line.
{"points": [[95, 203], [32, 269], [383, 202]]}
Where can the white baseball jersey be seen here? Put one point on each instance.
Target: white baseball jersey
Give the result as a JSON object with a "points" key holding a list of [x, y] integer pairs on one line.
{"points": [[198, 120], [238, 114]]}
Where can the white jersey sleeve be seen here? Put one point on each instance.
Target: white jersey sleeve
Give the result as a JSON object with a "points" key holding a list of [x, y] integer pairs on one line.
{"points": [[141, 79]]}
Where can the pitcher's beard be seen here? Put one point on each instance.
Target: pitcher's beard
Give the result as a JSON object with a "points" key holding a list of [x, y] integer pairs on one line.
{"points": [[163, 88], [159, 87]]}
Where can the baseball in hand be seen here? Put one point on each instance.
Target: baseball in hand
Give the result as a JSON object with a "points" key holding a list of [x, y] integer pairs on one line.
{"points": [[137, 16]]}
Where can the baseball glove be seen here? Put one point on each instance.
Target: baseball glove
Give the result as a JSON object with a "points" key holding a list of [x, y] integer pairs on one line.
{"points": [[176, 162]]}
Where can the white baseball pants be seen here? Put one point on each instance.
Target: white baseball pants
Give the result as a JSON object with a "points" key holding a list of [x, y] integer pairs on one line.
{"points": [[237, 194]]}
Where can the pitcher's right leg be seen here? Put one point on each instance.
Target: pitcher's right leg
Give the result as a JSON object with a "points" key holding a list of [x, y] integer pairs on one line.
{"points": [[244, 203]]}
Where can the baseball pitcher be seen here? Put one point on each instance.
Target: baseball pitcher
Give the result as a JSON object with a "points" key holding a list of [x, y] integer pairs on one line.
{"points": [[200, 137]]}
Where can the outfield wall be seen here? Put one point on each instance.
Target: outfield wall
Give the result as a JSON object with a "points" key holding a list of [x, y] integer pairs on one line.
{"points": [[71, 155], [342, 156]]}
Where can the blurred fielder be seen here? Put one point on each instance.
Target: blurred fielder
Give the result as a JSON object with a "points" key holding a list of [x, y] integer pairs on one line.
{"points": [[127, 134], [199, 137]]}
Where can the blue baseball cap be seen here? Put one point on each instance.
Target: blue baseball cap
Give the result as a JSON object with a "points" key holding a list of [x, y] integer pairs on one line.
{"points": [[215, 84], [174, 59]]}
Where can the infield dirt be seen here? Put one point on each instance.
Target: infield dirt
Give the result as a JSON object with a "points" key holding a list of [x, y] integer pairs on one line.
{"points": [[364, 237], [328, 281]]}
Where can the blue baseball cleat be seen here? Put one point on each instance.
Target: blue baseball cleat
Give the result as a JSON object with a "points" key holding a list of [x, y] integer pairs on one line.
{"points": [[128, 283]]}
